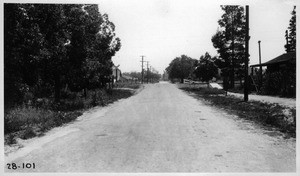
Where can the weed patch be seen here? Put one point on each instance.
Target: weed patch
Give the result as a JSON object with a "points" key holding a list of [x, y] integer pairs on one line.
{"points": [[128, 85], [29, 121]]}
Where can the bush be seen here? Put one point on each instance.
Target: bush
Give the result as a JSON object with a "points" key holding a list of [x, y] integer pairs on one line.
{"points": [[281, 83], [30, 121], [68, 95], [212, 91], [130, 85], [272, 83]]}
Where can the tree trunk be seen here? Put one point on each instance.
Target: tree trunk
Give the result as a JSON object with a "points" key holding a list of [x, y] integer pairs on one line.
{"points": [[241, 82], [57, 87], [225, 83], [85, 92], [232, 78]]}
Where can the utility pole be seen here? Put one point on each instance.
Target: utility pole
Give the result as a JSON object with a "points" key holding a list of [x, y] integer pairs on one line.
{"points": [[260, 67], [246, 55], [142, 69], [151, 79], [147, 72]]}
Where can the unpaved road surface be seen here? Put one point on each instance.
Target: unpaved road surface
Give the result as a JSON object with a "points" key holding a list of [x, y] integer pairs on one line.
{"points": [[161, 129]]}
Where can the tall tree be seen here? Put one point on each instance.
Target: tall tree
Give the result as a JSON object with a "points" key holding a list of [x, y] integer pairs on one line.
{"points": [[229, 42], [105, 47], [22, 50], [206, 68], [53, 25], [181, 67], [84, 24], [291, 33]]}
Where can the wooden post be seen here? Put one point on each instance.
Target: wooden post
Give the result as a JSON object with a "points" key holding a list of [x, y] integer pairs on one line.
{"points": [[246, 55]]}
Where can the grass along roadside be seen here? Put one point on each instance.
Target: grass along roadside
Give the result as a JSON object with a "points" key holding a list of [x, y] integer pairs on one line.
{"points": [[28, 121], [266, 114]]}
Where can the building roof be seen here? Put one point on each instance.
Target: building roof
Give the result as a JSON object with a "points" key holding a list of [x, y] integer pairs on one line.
{"points": [[280, 59]]}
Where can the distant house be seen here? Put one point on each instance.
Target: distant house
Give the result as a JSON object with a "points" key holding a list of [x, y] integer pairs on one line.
{"points": [[286, 60], [116, 73], [280, 75], [125, 78]]}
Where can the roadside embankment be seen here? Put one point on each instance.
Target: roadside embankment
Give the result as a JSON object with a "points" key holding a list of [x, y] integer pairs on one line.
{"points": [[267, 114], [31, 120]]}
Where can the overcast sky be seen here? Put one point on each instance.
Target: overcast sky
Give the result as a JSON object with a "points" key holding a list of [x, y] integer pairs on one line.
{"points": [[164, 29]]}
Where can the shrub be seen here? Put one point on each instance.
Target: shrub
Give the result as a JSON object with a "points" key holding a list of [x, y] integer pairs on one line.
{"points": [[212, 91], [272, 84], [32, 120], [130, 85], [28, 121], [281, 83]]}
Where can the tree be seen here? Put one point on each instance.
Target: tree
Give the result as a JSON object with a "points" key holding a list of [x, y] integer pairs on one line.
{"points": [[181, 67], [53, 25], [291, 33], [22, 50], [105, 47], [52, 45], [206, 68], [229, 41]]}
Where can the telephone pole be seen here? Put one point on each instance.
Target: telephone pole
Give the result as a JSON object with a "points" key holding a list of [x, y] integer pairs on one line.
{"points": [[147, 72], [142, 69], [151, 75], [246, 55]]}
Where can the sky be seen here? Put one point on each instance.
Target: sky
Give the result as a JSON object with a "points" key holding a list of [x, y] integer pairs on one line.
{"points": [[162, 30]]}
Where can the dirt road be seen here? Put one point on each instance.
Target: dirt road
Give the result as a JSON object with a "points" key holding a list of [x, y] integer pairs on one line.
{"points": [[161, 129]]}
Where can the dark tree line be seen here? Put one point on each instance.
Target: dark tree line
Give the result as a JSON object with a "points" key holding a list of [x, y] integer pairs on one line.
{"points": [[48, 47], [185, 67]]}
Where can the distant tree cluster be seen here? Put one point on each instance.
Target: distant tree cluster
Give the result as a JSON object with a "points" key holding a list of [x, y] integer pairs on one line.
{"points": [[181, 67], [48, 47], [185, 67]]}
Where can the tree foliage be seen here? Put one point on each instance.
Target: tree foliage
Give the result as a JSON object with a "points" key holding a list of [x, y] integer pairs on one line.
{"points": [[229, 41], [181, 67], [291, 33], [50, 46], [206, 68]]}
